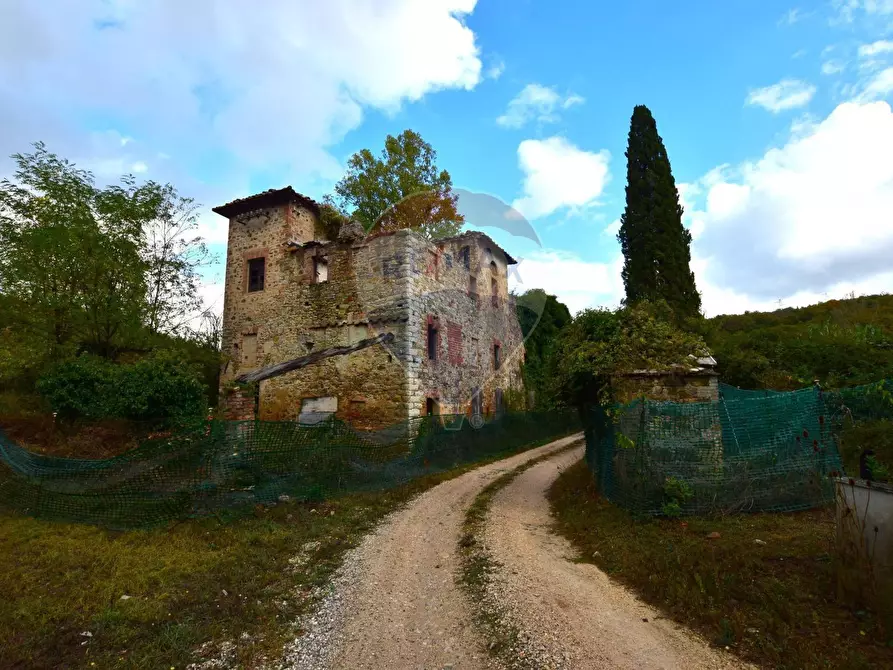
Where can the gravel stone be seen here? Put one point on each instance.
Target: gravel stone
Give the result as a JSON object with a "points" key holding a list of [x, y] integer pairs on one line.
{"points": [[387, 606]]}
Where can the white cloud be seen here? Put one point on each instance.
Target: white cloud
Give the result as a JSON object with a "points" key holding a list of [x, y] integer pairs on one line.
{"points": [[833, 67], [875, 48], [847, 10], [536, 103], [558, 174], [273, 83], [495, 70], [791, 17], [219, 90], [577, 283], [786, 94], [877, 87], [810, 217], [612, 228], [799, 53]]}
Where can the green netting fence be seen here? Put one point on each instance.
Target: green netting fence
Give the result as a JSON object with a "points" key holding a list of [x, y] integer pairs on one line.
{"points": [[751, 451], [224, 466]]}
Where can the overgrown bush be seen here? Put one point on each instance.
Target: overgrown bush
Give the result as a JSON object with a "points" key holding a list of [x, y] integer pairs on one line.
{"points": [[79, 388], [157, 388]]}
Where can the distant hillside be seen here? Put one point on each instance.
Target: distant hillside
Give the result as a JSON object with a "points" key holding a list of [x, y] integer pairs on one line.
{"points": [[839, 342]]}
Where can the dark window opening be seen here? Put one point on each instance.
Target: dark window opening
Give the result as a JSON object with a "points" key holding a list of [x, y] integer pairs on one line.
{"points": [[431, 407], [465, 256], [497, 352], [432, 342], [473, 288], [256, 274], [494, 290], [498, 402]]}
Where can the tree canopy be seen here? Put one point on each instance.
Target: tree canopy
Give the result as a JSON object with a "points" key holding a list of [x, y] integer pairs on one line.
{"points": [[600, 343], [403, 188], [542, 319], [93, 269], [655, 244], [839, 342]]}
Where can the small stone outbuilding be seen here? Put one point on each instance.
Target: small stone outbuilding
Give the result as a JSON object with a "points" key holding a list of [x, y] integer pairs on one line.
{"points": [[698, 382]]}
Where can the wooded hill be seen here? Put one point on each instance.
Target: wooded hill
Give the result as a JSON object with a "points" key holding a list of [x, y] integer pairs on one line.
{"points": [[839, 342]]}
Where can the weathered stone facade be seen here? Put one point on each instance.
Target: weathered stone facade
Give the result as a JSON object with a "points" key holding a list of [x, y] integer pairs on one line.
{"points": [[319, 293], [688, 386]]}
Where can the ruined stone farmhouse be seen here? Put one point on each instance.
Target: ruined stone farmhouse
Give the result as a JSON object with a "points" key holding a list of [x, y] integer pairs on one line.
{"points": [[290, 291]]}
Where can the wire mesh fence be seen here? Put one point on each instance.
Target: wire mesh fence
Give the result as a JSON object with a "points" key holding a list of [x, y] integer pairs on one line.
{"points": [[751, 451], [226, 465]]}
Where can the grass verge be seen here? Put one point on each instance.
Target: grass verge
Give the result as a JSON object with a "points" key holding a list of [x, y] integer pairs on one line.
{"points": [[765, 588], [477, 566], [77, 596]]}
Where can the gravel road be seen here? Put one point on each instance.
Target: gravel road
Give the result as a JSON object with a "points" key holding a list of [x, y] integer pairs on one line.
{"points": [[572, 610], [395, 604]]}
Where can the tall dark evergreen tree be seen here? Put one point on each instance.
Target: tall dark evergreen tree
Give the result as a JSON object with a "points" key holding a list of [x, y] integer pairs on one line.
{"points": [[656, 246]]}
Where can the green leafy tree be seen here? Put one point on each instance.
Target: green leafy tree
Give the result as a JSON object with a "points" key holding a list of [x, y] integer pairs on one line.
{"points": [[542, 319], [403, 188], [89, 268], [838, 342], [71, 252], [599, 344], [174, 254], [655, 245]]}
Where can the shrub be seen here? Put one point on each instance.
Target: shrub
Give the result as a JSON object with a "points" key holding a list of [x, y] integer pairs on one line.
{"points": [[159, 388], [79, 388]]}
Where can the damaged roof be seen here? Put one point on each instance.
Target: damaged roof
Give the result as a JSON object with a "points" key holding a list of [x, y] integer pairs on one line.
{"points": [[469, 234], [273, 197]]}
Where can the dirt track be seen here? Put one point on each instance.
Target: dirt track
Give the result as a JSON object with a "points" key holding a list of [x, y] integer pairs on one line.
{"points": [[396, 604], [573, 608], [407, 611]]}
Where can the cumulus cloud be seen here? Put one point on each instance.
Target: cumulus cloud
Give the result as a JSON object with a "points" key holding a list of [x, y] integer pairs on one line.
{"points": [[786, 94], [577, 283], [558, 175], [807, 218], [833, 67], [536, 103], [204, 94], [875, 48], [273, 83]]}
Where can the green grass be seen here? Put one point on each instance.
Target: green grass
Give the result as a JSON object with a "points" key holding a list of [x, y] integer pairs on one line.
{"points": [[191, 583], [774, 603]]}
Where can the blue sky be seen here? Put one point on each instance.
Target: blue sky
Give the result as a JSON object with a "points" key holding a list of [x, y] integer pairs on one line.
{"points": [[775, 115]]}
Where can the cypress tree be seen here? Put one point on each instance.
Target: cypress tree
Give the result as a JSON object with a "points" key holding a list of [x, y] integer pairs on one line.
{"points": [[655, 244]]}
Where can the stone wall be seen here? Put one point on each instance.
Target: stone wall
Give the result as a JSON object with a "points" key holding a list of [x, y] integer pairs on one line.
{"points": [[469, 325], [397, 282], [667, 387], [294, 316]]}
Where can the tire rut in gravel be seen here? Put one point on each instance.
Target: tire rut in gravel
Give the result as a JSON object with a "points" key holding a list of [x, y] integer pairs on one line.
{"points": [[571, 613], [395, 604]]}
